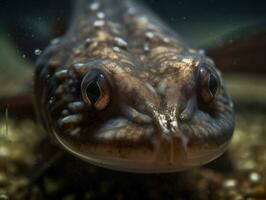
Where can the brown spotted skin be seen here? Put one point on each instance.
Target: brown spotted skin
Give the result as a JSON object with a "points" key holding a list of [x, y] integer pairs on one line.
{"points": [[155, 120]]}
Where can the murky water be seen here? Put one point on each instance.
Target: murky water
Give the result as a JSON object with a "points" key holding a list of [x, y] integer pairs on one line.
{"points": [[240, 174]]}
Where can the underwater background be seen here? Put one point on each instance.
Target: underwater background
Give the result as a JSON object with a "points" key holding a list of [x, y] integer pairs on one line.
{"points": [[26, 28]]}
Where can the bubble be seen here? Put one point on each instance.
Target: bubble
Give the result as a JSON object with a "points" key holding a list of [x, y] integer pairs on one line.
{"points": [[51, 100], [230, 183], [37, 52]]}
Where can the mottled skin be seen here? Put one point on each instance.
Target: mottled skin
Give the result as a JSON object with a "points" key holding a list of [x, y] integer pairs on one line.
{"points": [[154, 120]]}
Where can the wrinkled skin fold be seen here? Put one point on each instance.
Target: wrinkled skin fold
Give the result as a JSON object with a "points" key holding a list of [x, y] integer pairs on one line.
{"points": [[123, 91]]}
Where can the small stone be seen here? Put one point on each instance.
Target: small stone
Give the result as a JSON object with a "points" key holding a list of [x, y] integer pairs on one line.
{"points": [[98, 23], [100, 15], [4, 152], [146, 47], [77, 52], [188, 61], [230, 183], [166, 40], [116, 49], [254, 177], [120, 42], [149, 35], [174, 57], [3, 197], [238, 197], [192, 50], [249, 165], [88, 41]]}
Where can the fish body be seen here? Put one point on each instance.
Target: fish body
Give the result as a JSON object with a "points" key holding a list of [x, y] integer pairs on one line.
{"points": [[121, 90]]}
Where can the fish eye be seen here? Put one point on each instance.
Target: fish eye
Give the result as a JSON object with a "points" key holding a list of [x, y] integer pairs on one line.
{"points": [[209, 85], [95, 90]]}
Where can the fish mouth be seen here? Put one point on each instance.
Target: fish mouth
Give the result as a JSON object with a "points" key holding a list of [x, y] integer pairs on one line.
{"points": [[136, 141], [145, 151], [119, 144]]}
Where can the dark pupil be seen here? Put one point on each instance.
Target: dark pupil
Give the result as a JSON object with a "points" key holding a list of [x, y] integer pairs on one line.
{"points": [[213, 84], [93, 92]]}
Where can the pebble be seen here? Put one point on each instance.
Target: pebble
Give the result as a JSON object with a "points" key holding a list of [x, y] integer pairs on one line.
{"points": [[98, 23], [254, 177], [230, 183], [94, 6]]}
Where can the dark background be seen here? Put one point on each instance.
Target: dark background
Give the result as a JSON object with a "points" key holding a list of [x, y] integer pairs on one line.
{"points": [[199, 22]]}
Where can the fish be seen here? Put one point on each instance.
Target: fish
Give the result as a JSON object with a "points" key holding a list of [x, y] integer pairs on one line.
{"points": [[122, 90]]}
